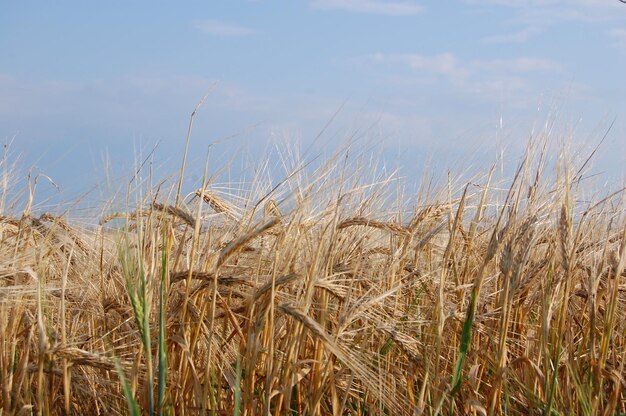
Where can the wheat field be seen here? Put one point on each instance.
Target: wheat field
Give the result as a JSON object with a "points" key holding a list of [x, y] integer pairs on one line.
{"points": [[327, 292]]}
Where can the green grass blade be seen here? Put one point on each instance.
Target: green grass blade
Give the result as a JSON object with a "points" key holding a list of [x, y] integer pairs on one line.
{"points": [[466, 337], [162, 358], [146, 338], [133, 406]]}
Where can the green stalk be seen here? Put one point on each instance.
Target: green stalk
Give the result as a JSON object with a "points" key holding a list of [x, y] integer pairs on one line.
{"points": [[548, 410], [237, 409], [141, 311]]}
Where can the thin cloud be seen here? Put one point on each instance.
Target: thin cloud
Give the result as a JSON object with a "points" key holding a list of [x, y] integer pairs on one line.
{"points": [[461, 72], [442, 64], [447, 63], [223, 29], [544, 3], [489, 79], [521, 64], [534, 17], [140, 95], [531, 18], [521, 36], [382, 7]]}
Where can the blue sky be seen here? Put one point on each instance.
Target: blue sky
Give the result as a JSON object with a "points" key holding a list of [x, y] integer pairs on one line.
{"points": [[438, 80]]}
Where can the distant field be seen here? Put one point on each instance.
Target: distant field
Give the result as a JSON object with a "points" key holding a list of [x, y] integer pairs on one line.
{"points": [[324, 293]]}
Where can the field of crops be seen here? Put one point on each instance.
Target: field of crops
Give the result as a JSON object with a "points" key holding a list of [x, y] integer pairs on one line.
{"points": [[328, 291]]}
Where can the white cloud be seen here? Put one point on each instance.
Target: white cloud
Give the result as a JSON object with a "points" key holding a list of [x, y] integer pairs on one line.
{"points": [[389, 8], [224, 29]]}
